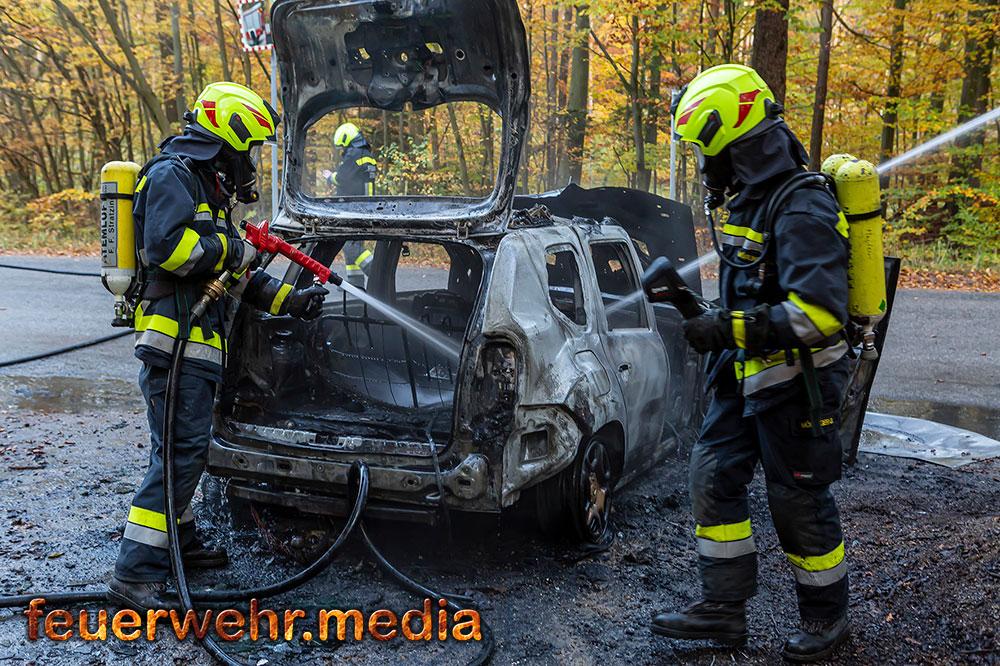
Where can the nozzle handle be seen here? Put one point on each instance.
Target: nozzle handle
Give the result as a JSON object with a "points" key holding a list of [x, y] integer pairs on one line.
{"points": [[261, 238], [663, 284]]}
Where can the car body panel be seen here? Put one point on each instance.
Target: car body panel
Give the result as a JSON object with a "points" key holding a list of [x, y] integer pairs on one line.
{"points": [[334, 54]]}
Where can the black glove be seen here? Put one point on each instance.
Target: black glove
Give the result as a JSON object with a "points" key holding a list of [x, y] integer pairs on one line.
{"points": [[305, 303], [240, 255], [714, 198], [710, 332], [715, 330]]}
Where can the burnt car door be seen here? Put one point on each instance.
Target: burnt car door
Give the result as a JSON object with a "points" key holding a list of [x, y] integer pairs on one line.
{"points": [[632, 345]]}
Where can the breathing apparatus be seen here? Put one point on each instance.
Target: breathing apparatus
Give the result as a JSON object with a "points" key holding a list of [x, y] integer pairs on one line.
{"points": [[119, 260], [859, 195]]}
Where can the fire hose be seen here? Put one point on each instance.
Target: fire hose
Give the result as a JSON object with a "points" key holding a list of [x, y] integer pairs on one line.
{"points": [[358, 480]]}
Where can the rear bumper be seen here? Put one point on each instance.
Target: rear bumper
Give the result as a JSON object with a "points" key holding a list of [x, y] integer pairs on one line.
{"points": [[467, 484]]}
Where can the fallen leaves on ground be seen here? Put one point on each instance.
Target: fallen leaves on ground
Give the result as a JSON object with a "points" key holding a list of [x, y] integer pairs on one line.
{"points": [[984, 280]]}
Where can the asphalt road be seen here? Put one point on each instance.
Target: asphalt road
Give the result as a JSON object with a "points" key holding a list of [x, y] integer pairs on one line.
{"points": [[923, 540], [941, 359]]}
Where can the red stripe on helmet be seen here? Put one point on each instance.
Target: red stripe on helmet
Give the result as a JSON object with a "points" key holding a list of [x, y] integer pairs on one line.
{"points": [[686, 113], [746, 103], [209, 107], [261, 120]]}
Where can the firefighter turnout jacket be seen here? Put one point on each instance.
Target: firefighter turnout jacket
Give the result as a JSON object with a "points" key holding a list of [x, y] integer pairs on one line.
{"points": [[804, 279], [184, 236], [355, 175]]}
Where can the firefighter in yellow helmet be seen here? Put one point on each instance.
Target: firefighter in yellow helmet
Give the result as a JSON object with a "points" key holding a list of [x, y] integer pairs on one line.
{"points": [[778, 366], [186, 236], [355, 177]]}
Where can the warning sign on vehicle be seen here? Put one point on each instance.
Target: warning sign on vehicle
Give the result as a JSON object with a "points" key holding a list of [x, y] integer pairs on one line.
{"points": [[254, 27]]}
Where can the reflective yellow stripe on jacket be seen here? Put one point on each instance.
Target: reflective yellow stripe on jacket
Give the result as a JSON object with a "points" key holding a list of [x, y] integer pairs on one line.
{"points": [[810, 323], [160, 332], [758, 373]]}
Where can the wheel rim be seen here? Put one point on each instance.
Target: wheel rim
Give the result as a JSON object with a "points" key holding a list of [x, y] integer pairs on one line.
{"points": [[595, 487]]}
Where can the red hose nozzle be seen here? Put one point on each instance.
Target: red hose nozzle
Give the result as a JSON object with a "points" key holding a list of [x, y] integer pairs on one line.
{"points": [[260, 238]]}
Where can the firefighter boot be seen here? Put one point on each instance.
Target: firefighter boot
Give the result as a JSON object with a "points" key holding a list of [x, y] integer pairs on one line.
{"points": [[139, 596], [199, 556], [816, 639], [722, 621]]}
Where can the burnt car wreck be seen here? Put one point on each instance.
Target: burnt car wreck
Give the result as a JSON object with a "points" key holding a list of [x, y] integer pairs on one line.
{"points": [[557, 381]]}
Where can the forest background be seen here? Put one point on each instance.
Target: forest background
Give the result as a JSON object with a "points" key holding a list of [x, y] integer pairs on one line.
{"points": [[88, 81]]}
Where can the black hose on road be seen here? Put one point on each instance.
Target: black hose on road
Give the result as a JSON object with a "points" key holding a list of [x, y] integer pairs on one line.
{"points": [[54, 271], [65, 350]]}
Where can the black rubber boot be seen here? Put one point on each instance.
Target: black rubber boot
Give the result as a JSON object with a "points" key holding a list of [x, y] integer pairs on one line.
{"points": [[139, 596], [816, 640], [203, 557], [725, 622]]}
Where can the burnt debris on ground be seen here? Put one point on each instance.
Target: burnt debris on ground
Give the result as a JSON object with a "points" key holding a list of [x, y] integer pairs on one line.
{"points": [[923, 542]]}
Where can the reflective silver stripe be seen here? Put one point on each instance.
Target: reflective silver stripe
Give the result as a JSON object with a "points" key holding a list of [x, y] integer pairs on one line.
{"points": [[165, 343], [783, 372], [726, 549], [146, 535], [821, 578], [801, 324], [741, 242], [237, 289], [197, 252], [204, 216]]}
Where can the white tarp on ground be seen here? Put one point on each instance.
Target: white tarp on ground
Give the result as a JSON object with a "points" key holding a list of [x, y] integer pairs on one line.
{"points": [[907, 437]]}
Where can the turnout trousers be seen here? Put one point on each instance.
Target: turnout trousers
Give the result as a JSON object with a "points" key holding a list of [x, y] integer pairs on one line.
{"points": [[799, 466], [143, 556]]}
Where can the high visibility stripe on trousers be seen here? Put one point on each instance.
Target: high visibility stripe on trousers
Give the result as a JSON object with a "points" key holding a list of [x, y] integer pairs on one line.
{"points": [[819, 570], [726, 540], [150, 527]]}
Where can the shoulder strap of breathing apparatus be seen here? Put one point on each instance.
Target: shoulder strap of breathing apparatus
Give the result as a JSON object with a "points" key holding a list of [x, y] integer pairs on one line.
{"points": [[146, 277]]}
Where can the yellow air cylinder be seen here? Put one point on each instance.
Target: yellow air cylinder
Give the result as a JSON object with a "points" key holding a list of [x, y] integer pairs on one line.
{"points": [[859, 197], [118, 252]]}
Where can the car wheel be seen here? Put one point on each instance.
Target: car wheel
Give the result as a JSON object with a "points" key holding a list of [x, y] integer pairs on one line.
{"points": [[590, 494], [577, 501]]}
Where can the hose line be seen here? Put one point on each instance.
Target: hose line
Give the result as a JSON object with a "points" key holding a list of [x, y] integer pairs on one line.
{"points": [[358, 478], [65, 350], [54, 271]]}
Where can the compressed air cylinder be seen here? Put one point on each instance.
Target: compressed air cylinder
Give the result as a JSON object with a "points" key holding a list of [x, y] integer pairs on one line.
{"points": [[860, 199], [118, 252]]}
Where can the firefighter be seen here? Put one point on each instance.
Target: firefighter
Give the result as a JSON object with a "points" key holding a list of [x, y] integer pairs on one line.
{"points": [[778, 367], [185, 236], [355, 177]]}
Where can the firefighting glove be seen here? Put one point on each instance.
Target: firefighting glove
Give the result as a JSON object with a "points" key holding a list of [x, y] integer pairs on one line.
{"points": [[240, 255], [720, 329], [710, 332], [305, 303]]}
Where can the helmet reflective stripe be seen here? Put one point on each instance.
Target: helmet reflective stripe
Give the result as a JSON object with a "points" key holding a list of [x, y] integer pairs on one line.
{"points": [[721, 105], [345, 134], [235, 114]]}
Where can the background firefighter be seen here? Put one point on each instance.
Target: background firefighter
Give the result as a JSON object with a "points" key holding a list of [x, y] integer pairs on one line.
{"points": [[185, 236], [355, 177], [778, 367]]}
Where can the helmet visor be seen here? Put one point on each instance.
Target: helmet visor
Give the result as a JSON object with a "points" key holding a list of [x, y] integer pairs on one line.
{"points": [[699, 155]]}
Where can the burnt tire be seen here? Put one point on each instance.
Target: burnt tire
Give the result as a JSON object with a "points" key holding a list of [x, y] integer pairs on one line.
{"points": [[576, 503]]}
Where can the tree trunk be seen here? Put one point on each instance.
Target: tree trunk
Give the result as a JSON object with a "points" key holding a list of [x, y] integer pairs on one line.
{"points": [[977, 64], [770, 45], [220, 40], [576, 105], [463, 166], [892, 91], [175, 44], [822, 77], [638, 137]]}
